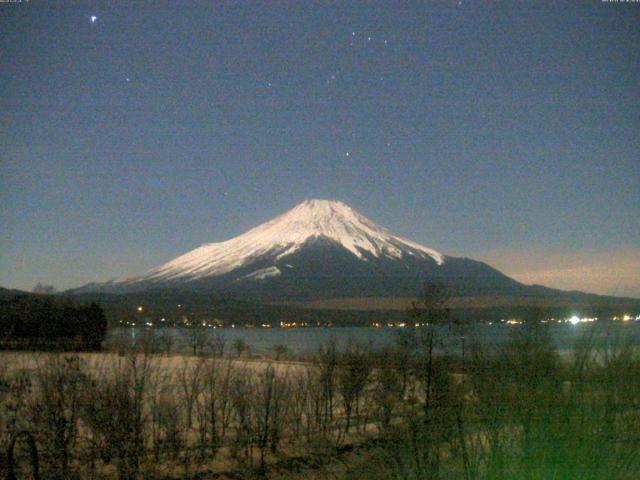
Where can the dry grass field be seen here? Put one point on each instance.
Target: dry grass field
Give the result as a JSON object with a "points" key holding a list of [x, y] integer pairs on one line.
{"points": [[517, 411]]}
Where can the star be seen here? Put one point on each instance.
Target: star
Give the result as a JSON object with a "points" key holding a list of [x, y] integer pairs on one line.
{"points": [[93, 18], [347, 154], [127, 79], [368, 39]]}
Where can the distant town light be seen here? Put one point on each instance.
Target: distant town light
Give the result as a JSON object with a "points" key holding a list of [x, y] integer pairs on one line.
{"points": [[140, 309], [574, 320]]}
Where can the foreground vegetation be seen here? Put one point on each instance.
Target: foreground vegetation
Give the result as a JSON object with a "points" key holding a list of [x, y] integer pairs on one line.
{"points": [[515, 411]]}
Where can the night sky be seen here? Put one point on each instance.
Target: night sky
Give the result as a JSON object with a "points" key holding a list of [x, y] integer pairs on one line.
{"points": [[507, 132]]}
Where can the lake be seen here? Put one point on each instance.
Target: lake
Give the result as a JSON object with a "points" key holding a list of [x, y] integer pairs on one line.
{"points": [[308, 340]]}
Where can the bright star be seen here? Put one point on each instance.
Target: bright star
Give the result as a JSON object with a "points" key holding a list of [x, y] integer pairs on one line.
{"points": [[93, 19], [347, 154]]}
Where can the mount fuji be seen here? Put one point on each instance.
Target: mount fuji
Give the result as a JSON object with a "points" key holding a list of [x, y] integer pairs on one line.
{"points": [[320, 249]]}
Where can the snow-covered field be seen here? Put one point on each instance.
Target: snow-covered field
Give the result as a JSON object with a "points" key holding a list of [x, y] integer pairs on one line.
{"points": [[32, 361]]}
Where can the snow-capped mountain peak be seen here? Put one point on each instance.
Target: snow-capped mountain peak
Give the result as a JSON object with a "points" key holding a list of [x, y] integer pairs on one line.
{"points": [[286, 234]]}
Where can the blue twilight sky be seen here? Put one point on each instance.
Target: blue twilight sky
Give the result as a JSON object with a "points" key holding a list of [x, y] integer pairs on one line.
{"points": [[502, 131]]}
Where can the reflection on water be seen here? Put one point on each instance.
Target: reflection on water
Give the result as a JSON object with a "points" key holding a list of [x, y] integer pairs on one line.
{"points": [[309, 340]]}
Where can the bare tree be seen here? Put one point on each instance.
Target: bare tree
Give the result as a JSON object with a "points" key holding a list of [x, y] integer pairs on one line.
{"points": [[388, 389], [242, 394], [214, 405], [353, 375], [266, 406], [197, 340], [240, 347], [327, 369], [10, 470], [216, 345], [189, 380], [166, 415], [300, 394], [432, 375], [114, 412], [166, 342], [280, 350], [60, 382]]}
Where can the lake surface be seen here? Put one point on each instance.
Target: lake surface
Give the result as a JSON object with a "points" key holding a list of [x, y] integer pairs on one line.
{"points": [[308, 340]]}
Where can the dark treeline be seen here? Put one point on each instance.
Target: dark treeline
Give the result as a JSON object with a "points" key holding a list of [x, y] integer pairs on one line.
{"points": [[49, 322], [178, 307]]}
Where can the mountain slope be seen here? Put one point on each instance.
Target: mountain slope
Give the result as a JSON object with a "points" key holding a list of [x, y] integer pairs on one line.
{"points": [[320, 249], [284, 236]]}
